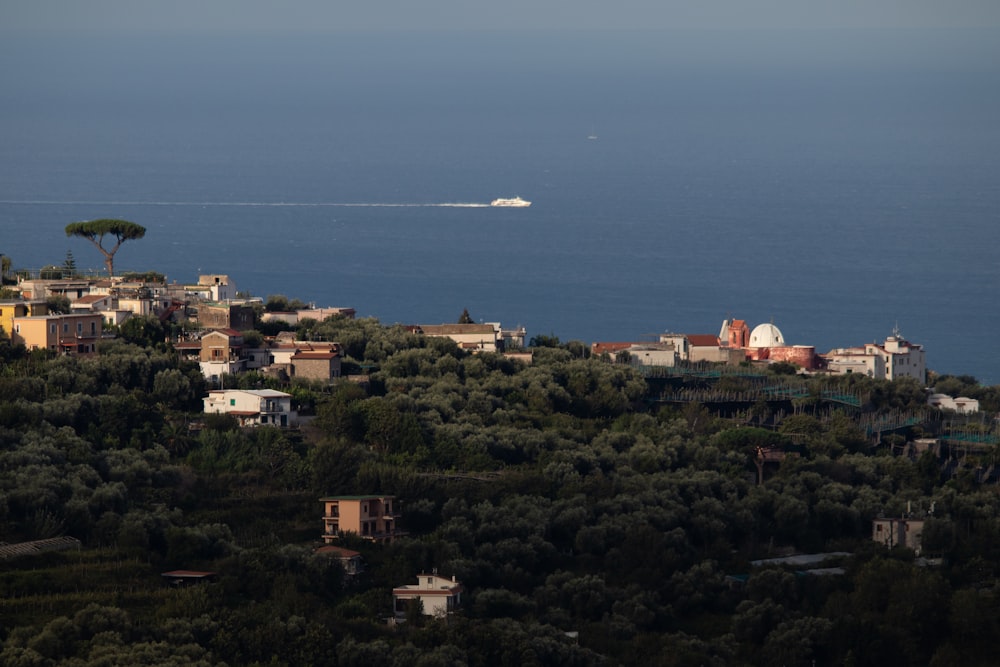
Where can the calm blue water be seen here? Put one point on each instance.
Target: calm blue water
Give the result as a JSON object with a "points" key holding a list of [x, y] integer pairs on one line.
{"points": [[837, 184]]}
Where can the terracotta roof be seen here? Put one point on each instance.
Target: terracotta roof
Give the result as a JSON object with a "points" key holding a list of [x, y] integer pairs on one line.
{"points": [[303, 356], [340, 552], [232, 333], [703, 340]]}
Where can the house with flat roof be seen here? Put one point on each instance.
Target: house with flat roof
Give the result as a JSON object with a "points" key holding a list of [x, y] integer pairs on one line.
{"points": [[373, 517], [439, 596], [75, 333], [252, 407], [893, 359], [469, 337]]}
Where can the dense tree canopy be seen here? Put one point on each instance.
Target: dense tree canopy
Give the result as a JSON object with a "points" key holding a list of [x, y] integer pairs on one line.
{"points": [[590, 520]]}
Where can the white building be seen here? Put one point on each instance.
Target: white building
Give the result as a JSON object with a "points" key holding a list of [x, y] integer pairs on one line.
{"points": [[439, 595], [896, 358], [469, 337], [962, 405], [252, 407]]}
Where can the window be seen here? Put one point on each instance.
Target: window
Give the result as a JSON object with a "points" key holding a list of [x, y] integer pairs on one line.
{"points": [[232, 401], [79, 327], [65, 327]]}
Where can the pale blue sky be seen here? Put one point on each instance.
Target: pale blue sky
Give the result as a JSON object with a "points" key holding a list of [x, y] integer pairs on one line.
{"points": [[333, 15]]}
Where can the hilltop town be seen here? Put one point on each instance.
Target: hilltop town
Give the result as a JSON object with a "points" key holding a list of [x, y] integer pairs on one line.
{"points": [[72, 315]]}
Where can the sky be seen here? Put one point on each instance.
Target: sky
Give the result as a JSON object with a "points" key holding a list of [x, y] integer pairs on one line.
{"points": [[339, 15]]}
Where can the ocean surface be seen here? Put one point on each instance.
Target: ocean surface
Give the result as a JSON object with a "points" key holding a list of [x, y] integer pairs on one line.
{"points": [[838, 184]]}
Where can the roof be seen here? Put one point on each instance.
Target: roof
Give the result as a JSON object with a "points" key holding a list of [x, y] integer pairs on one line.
{"points": [[449, 329], [38, 546], [57, 316], [188, 574], [339, 552], [766, 335], [91, 298], [232, 333], [440, 586], [262, 393], [369, 497], [703, 340], [601, 348], [314, 355]]}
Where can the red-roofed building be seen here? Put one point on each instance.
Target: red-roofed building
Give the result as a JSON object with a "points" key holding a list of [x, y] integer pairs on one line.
{"points": [[349, 559], [702, 340], [322, 365]]}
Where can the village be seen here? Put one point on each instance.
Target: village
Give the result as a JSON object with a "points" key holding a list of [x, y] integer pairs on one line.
{"points": [[212, 318]]}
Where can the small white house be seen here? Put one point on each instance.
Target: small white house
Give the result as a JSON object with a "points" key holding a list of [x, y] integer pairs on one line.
{"points": [[439, 595], [252, 407], [962, 405]]}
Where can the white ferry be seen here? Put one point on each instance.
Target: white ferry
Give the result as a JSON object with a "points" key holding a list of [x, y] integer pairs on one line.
{"points": [[515, 202]]}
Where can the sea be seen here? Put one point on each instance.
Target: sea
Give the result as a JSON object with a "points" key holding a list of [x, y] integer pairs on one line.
{"points": [[843, 185]]}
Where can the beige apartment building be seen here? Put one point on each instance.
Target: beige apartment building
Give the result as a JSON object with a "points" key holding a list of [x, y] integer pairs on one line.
{"points": [[76, 333], [372, 517]]}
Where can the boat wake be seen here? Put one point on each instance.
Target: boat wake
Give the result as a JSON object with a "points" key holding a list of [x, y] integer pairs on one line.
{"points": [[41, 202]]}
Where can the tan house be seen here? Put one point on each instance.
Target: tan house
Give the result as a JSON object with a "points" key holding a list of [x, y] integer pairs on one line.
{"points": [[226, 316], [76, 333], [221, 353], [439, 596], [372, 517], [319, 314], [470, 337]]}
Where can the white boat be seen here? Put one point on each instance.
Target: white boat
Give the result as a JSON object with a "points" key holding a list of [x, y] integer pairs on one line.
{"points": [[515, 202]]}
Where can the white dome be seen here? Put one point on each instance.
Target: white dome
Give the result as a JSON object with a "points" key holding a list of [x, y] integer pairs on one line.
{"points": [[766, 335]]}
